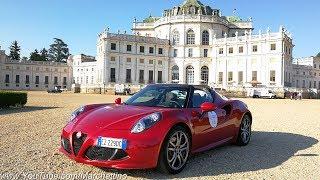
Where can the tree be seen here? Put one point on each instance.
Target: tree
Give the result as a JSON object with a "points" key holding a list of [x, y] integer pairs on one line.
{"points": [[24, 58], [318, 55], [44, 54], [58, 51], [14, 51], [35, 56]]}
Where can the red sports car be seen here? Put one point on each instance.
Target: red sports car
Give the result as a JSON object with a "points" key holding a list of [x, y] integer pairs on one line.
{"points": [[160, 126]]}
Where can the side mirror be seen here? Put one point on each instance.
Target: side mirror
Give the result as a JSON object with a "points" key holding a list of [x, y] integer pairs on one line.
{"points": [[208, 106], [118, 101]]}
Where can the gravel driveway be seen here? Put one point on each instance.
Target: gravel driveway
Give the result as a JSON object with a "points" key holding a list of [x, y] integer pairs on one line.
{"points": [[284, 142]]}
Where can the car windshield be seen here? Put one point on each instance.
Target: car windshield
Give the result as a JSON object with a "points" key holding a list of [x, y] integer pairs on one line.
{"points": [[156, 96]]}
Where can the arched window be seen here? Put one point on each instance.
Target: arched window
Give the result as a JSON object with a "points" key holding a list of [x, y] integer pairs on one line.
{"points": [[190, 37], [190, 75], [205, 74], [175, 38], [175, 74], [205, 38]]}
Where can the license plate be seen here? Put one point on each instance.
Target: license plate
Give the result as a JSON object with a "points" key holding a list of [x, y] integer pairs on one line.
{"points": [[112, 143]]}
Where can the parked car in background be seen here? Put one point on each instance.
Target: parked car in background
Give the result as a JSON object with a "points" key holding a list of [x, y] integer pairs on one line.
{"points": [[121, 89], [262, 93], [56, 89]]}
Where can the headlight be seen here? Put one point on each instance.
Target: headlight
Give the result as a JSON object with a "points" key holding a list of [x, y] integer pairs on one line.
{"points": [[146, 122], [76, 113]]}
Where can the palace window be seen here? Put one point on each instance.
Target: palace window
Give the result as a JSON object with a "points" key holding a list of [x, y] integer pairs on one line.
{"points": [[141, 49], [87, 80], [220, 78], [150, 61], [128, 60], [27, 79], [141, 76], [190, 75], [150, 76], [129, 48], [113, 59], [272, 76], [205, 74], [175, 52], [159, 62], [7, 80], [160, 51], [46, 80], [17, 79], [205, 38], [159, 76], [254, 75], [240, 77], [151, 50], [37, 79], [231, 50], [190, 52], [241, 49], [205, 53], [175, 38], [113, 75], [190, 37], [175, 74], [273, 47], [220, 50], [141, 61], [64, 80], [230, 76], [315, 84], [113, 46], [254, 48], [128, 76], [55, 80]]}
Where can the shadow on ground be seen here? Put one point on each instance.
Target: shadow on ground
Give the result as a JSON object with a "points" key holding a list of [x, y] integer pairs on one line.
{"points": [[24, 109], [266, 150]]}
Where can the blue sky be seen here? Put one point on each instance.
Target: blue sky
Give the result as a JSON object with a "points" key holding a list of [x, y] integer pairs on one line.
{"points": [[34, 23]]}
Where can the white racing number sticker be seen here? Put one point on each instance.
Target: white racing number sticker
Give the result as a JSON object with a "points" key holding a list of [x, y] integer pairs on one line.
{"points": [[213, 119]]}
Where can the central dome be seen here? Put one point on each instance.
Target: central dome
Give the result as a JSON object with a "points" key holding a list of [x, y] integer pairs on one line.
{"points": [[195, 3]]}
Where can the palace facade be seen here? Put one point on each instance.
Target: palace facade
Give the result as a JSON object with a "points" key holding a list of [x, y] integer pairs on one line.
{"points": [[33, 75], [189, 44], [194, 44]]}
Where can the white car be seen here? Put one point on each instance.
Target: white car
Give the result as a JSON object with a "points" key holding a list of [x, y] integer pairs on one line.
{"points": [[121, 89], [263, 93]]}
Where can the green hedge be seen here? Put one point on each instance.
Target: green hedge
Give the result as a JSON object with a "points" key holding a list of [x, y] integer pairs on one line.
{"points": [[8, 99]]}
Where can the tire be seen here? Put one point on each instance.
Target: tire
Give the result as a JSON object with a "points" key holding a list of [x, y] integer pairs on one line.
{"points": [[244, 135], [173, 156]]}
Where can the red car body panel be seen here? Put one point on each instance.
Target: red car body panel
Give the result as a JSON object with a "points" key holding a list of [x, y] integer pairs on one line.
{"points": [[116, 121]]}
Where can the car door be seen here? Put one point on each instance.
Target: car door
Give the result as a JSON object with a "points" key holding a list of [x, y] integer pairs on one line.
{"points": [[204, 124]]}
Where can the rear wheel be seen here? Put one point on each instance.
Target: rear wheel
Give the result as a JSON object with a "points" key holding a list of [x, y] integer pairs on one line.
{"points": [[175, 151], [244, 135]]}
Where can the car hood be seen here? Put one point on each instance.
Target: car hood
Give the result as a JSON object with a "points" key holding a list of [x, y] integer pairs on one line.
{"points": [[120, 117]]}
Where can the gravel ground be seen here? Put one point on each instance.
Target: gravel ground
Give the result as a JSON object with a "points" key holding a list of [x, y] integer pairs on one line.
{"points": [[284, 142]]}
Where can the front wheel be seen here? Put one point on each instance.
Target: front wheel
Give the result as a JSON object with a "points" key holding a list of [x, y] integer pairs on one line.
{"points": [[244, 135], [175, 151]]}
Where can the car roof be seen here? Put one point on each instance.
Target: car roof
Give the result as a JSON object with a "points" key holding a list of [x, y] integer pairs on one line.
{"points": [[180, 85]]}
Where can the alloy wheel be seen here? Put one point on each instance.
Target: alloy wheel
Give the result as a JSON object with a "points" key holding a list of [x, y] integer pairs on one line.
{"points": [[178, 150]]}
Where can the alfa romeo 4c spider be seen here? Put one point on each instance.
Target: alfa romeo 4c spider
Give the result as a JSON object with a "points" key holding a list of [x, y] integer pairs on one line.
{"points": [[160, 126]]}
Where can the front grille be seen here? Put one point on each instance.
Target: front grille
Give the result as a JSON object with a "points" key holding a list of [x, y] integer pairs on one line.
{"points": [[104, 154], [65, 143], [77, 142]]}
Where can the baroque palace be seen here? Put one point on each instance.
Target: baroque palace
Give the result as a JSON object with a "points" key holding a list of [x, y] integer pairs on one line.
{"points": [[191, 43], [194, 44]]}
